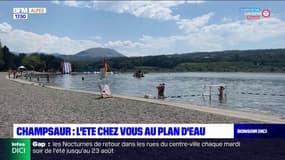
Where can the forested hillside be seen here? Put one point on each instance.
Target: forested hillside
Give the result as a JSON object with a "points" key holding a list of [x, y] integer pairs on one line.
{"points": [[266, 60]]}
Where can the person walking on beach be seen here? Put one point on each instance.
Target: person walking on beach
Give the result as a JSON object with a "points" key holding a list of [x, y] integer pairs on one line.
{"points": [[9, 73], [14, 74]]}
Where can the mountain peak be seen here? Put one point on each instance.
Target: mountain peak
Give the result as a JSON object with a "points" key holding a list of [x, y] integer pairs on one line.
{"points": [[99, 52], [91, 54]]}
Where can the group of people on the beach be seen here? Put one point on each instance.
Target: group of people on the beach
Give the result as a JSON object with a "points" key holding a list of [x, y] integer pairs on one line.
{"points": [[14, 73], [27, 74]]}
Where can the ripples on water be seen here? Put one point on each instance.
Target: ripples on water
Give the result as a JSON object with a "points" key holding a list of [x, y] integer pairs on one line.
{"points": [[256, 92]]}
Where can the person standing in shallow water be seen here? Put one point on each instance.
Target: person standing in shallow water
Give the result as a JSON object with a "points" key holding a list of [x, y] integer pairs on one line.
{"points": [[221, 91], [47, 77], [160, 90]]}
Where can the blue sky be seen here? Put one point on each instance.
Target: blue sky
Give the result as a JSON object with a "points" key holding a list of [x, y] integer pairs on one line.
{"points": [[138, 28]]}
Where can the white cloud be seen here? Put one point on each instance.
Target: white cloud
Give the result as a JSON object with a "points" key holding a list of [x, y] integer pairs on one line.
{"points": [[247, 31], [77, 3], [5, 27], [225, 36], [123, 44], [192, 25], [97, 38], [23, 41], [55, 1], [227, 19], [148, 9], [72, 3]]}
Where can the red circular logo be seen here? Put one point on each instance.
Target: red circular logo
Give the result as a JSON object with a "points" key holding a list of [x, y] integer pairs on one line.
{"points": [[265, 13]]}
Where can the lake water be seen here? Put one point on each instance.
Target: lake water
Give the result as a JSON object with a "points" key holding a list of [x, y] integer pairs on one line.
{"points": [[253, 92]]}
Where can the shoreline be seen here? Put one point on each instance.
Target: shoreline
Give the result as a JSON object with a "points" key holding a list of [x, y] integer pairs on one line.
{"points": [[259, 117], [28, 102]]}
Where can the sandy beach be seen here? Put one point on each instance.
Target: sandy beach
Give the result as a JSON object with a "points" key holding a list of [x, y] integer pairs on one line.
{"points": [[26, 103]]}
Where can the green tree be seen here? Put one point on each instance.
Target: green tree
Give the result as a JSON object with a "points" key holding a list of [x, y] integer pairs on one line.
{"points": [[34, 62], [1, 57], [52, 63], [9, 58]]}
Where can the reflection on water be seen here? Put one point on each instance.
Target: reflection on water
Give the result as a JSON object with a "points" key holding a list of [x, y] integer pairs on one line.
{"points": [[67, 81], [257, 92]]}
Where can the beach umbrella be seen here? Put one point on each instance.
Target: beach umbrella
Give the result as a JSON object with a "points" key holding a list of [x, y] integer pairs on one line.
{"points": [[22, 67]]}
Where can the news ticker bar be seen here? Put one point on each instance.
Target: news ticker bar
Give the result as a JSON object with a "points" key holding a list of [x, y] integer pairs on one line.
{"points": [[148, 131], [141, 149]]}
